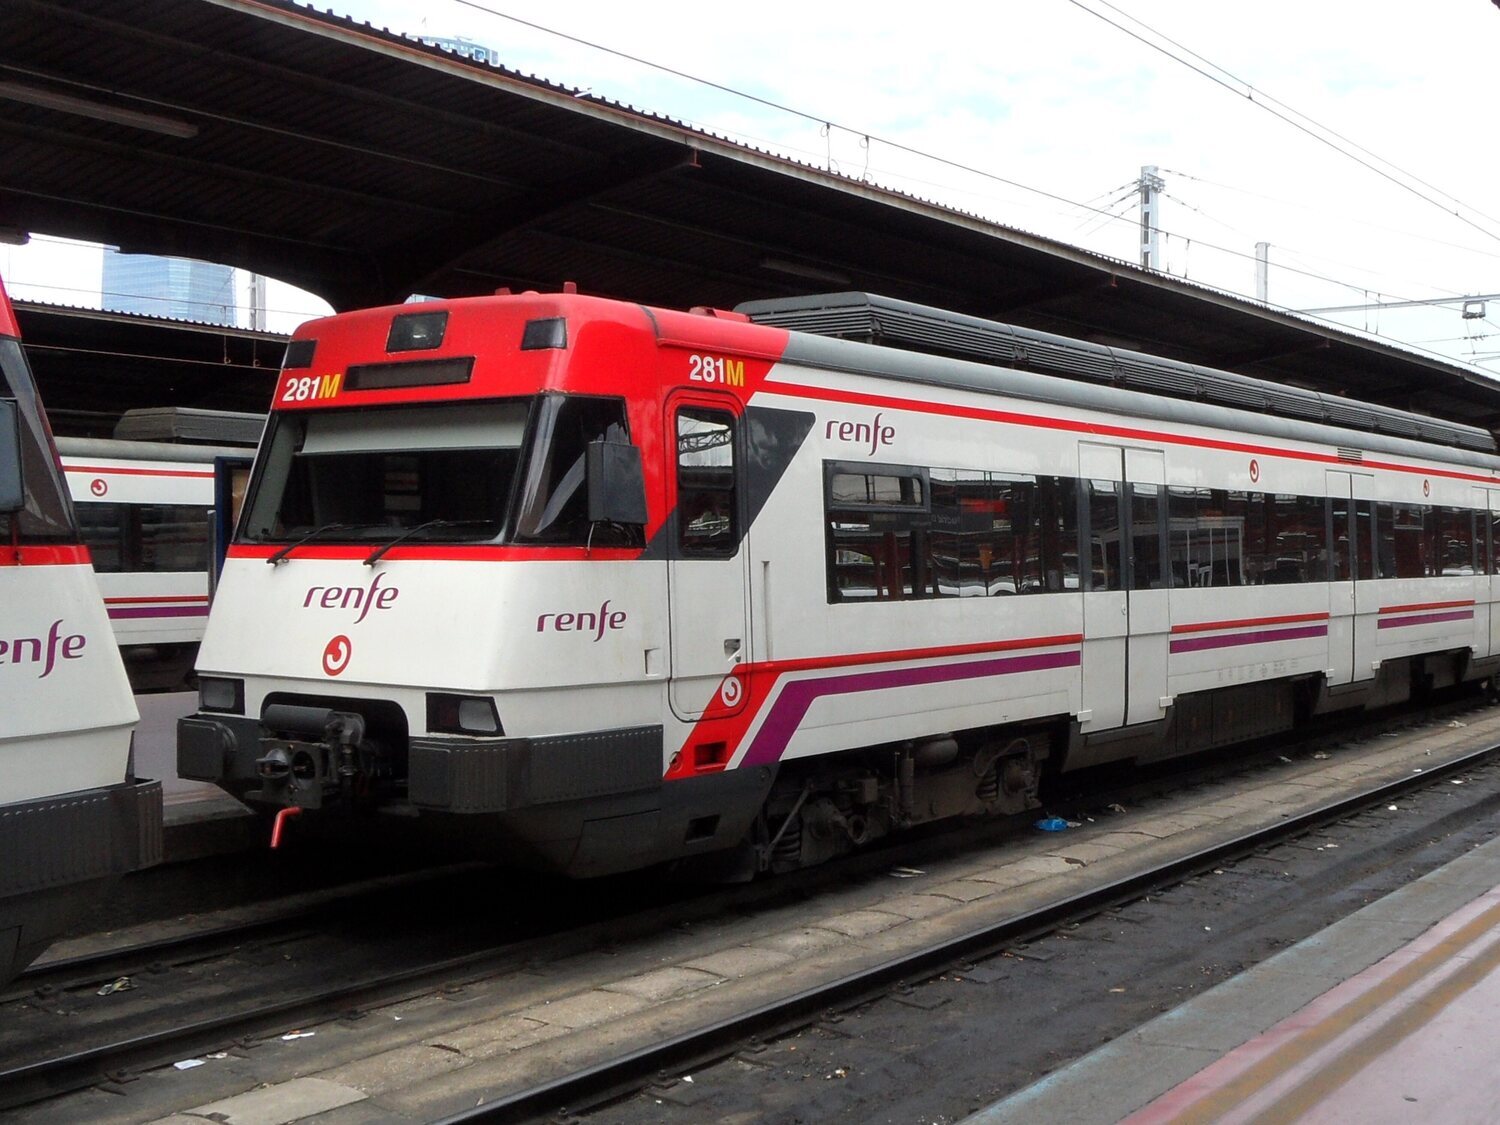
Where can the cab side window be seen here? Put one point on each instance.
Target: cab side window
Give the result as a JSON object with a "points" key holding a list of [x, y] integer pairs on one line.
{"points": [[707, 494]]}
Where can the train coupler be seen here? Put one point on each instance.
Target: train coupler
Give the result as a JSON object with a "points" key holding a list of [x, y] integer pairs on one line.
{"points": [[309, 754]]}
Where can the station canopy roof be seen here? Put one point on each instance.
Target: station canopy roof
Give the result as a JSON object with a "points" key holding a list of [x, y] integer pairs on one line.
{"points": [[364, 167]]}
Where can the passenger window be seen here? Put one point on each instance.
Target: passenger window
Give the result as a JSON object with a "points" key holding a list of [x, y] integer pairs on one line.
{"points": [[1456, 549], [707, 510], [1106, 569], [145, 538], [1145, 535], [878, 516], [1295, 532], [1341, 546], [1364, 540]]}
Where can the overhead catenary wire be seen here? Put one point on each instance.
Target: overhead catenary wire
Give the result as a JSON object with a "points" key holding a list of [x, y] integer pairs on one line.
{"points": [[1105, 214], [1302, 205], [1267, 103], [823, 121]]}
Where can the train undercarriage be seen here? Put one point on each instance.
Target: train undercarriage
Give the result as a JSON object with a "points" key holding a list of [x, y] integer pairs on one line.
{"points": [[595, 803]]}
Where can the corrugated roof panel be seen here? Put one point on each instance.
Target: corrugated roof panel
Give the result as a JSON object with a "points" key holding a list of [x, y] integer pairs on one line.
{"points": [[901, 324]]}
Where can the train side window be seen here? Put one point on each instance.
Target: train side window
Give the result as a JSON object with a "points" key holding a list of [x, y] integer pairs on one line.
{"points": [[1057, 531], [1403, 543], [1015, 516], [1296, 549], [1145, 537], [1385, 540], [1246, 512], [1106, 565], [956, 554], [877, 533], [1364, 540], [1204, 546], [1340, 543], [1454, 552], [145, 538], [554, 506], [707, 509]]}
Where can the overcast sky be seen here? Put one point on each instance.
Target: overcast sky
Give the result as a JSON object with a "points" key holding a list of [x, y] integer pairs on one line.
{"points": [[1048, 95]]}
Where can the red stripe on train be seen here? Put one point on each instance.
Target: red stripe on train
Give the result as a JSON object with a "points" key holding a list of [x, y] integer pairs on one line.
{"points": [[1247, 622], [45, 555]]}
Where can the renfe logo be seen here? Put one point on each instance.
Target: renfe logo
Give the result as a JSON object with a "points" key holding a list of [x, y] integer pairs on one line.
{"points": [[35, 650], [336, 654], [353, 597], [589, 621], [872, 434]]}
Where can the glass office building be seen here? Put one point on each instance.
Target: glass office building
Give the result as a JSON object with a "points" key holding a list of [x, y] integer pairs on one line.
{"points": [[178, 288]]}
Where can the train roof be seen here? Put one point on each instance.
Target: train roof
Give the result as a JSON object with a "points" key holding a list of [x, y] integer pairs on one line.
{"points": [[536, 183], [186, 424], [899, 324], [155, 451], [8, 325]]}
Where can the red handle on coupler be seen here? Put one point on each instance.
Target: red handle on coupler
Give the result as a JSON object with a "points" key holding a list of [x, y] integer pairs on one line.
{"points": [[281, 819]]}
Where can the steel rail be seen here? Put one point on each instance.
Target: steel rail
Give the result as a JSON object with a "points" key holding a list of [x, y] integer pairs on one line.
{"points": [[32, 1081], [48, 1077], [63, 973], [634, 1070]]}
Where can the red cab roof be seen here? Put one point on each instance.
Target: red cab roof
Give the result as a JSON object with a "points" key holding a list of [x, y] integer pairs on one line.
{"points": [[8, 325]]}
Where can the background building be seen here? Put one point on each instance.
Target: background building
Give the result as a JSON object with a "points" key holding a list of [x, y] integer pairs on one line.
{"points": [[179, 288]]}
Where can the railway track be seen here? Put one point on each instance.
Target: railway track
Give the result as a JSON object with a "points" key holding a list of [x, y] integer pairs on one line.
{"points": [[635, 1070], [111, 1055], [212, 938]]}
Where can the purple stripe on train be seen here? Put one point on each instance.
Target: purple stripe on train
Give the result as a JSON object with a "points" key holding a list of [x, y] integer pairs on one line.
{"points": [[1263, 636], [1427, 618], [161, 611], [792, 704]]}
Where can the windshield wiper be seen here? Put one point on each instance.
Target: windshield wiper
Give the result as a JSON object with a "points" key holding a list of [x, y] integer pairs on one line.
{"points": [[280, 556], [375, 556]]}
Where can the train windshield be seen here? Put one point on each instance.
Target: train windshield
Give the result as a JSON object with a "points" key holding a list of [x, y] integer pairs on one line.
{"points": [[432, 473], [48, 514]]}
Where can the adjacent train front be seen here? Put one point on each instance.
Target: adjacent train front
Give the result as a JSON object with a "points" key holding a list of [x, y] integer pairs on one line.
{"points": [[435, 602], [72, 815]]}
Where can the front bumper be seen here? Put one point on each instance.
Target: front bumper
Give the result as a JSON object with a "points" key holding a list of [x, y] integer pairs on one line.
{"points": [[77, 837], [457, 775]]}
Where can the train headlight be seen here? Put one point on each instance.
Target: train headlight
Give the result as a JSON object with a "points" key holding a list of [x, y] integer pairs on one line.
{"points": [[416, 332], [462, 714], [219, 693]]}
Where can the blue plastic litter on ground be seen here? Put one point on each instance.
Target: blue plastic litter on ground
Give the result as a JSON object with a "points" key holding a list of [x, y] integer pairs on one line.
{"points": [[1052, 824]]}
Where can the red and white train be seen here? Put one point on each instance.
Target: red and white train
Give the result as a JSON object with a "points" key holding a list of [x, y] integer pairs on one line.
{"points": [[604, 585], [72, 814]]}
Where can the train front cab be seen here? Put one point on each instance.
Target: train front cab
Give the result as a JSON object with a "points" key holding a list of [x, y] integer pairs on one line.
{"points": [[72, 815], [514, 669]]}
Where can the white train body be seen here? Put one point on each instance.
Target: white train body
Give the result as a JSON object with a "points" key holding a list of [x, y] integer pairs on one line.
{"points": [[71, 812], [146, 512], [826, 588]]}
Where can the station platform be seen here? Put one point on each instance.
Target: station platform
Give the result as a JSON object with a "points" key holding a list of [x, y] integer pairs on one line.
{"points": [[1385, 1016]]}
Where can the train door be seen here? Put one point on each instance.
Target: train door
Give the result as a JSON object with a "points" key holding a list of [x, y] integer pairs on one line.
{"points": [[1488, 533], [1126, 600], [708, 608], [1479, 560], [1351, 560], [231, 474]]}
